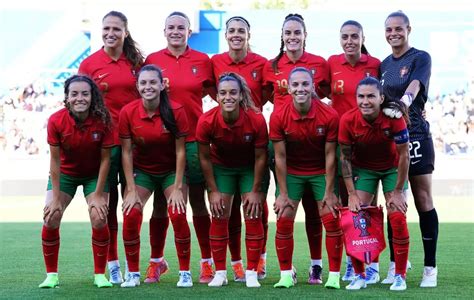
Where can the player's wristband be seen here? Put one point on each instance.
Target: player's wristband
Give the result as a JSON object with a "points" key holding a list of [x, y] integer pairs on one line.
{"points": [[407, 99]]}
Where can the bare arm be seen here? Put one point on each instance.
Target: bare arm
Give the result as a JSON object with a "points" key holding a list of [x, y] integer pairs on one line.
{"points": [[397, 199], [176, 199], [346, 165], [282, 202], [330, 199], [216, 203], [97, 200], [54, 172], [131, 197]]}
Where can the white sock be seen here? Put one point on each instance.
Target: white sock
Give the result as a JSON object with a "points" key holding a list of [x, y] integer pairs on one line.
{"points": [[113, 263], [263, 255], [375, 266], [317, 262], [181, 271], [334, 273], [348, 260], [156, 260], [286, 272], [222, 273]]}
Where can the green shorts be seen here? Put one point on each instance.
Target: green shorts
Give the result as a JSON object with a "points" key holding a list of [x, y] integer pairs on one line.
{"points": [[238, 180], [116, 174], [68, 184], [154, 181], [367, 180], [296, 185], [193, 166]]}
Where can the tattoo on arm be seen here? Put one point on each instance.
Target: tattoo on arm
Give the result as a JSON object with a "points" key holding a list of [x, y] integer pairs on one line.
{"points": [[346, 154]]}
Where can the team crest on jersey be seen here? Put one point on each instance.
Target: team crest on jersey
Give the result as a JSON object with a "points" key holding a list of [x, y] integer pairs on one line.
{"points": [[254, 74], [387, 133], [362, 222], [96, 136], [248, 137], [313, 71], [194, 69], [403, 71], [320, 130]]}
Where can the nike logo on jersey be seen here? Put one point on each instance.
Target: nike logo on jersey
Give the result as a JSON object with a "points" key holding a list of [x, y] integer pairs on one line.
{"points": [[415, 162], [383, 74], [100, 76], [336, 73]]}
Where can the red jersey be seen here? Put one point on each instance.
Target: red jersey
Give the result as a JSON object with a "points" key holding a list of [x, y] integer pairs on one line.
{"points": [[154, 147], [373, 144], [233, 145], [115, 79], [305, 137], [345, 78], [279, 81], [80, 146], [250, 68], [185, 77]]}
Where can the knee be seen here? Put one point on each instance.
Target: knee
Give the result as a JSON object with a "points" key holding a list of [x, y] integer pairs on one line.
{"points": [[54, 221], [96, 221]]}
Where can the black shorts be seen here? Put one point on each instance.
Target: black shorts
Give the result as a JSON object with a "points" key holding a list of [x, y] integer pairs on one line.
{"points": [[422, 157]]}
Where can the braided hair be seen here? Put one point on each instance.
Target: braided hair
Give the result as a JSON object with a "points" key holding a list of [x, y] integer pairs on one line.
{"points": [[166, 113], [97, 108], [247, 102], [130, 47], [291, 17]]}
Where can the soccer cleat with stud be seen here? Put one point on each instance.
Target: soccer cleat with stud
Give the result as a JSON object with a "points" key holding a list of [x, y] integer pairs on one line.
{"points": [[239, 273], [219, 280], [357, 283], [155, 270], [333, 281], [262, 268], [185, 279], [251, 279], [206, 273], [51, 281], [101, 281], [430, 277], [371, 276], [349, 274], [315, 275], [132, 281], [399, 283], [286, 281], [115, 274]]}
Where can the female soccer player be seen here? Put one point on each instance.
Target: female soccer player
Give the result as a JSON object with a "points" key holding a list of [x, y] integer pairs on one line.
{"points": [[275, 74], [249, 65], [374, 148], [304, 134], [187, 75], [152, 131], [405, 77], [233, 141], [80, 139], [113, 69], [346, 70]]}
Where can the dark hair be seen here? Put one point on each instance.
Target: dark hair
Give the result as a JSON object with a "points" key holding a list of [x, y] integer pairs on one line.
{"points": [[237, 18], [247, 102], [356, 24], [387, 103], [399, 14], [291, 17], [97, 107], [179, 14], [166, 112], [130, 47], [305, 70]]}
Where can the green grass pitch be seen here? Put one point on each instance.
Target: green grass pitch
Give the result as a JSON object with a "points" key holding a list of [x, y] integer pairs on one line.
{"points": [[22, 268]]}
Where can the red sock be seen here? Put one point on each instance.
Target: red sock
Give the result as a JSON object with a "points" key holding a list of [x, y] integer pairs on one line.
{"points": [[158, 231], [50, 240], [334, 241], [314, 228], [182, 239], [202, 225], [253, 242], [131, 238], [284, 242], [265, 226], [113, 224], [235, 229], [100, 248], [401, 241], [358, 265], [219, 235]]}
